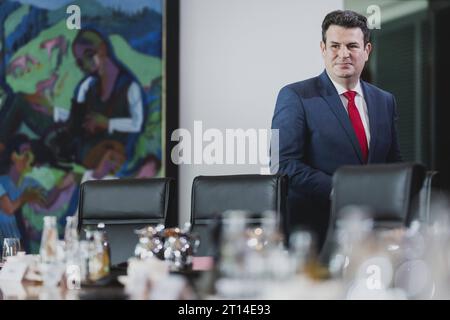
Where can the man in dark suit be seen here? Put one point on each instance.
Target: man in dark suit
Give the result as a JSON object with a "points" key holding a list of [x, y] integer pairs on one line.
{"points": [[332, 120]]}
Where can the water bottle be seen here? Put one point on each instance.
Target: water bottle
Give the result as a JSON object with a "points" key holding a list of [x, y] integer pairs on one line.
{"points": [[49, 240], [106, 250]]}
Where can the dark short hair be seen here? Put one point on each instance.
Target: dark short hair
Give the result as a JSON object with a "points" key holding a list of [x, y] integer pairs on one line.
{"points": [[346, 19], [13, 145], [92, 37]]}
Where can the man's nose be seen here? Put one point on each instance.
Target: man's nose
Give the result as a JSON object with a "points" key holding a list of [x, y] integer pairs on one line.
{"points": [[343, 52]]}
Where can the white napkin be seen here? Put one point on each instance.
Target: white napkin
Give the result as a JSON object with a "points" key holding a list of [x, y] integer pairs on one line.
{"points": [[142, 275]]}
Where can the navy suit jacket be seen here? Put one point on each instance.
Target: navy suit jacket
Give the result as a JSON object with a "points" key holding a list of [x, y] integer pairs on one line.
{"points": [[316, 137]]}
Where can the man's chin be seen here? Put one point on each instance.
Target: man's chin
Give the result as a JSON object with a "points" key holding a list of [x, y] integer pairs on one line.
{"points": [[344, 75], [344, 72]]}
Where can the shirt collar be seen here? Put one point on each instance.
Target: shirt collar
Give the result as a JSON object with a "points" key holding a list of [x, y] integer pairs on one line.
{"points": [[340, 89]]}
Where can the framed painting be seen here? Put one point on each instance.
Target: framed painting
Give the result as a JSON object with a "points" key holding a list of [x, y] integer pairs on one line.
{"points": [[86, 88]]}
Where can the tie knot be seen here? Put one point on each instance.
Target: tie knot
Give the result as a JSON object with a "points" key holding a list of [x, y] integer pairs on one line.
{"points": [[350, 95]]}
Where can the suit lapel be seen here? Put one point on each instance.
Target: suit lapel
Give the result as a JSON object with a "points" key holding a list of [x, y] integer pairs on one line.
{"points": [[372, 112], [329, 93]]}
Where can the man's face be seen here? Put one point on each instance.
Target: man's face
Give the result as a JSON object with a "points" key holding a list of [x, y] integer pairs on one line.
{"points": [[344, 53], [85, 58]]}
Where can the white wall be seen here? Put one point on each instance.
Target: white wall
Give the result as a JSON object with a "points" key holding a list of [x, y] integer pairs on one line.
{"points": [[235, 55]]}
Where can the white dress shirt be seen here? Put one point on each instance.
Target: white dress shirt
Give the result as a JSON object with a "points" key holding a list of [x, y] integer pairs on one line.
{"points": [[135, 107], [361, 104]]}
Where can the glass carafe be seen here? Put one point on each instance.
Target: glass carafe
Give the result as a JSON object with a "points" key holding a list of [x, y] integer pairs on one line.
{"points": [[71, 238], [49, 240], [98, 255]]}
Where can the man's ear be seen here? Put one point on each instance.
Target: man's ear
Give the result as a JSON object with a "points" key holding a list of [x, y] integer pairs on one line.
{"points": [[368, 49], [323, 47]]}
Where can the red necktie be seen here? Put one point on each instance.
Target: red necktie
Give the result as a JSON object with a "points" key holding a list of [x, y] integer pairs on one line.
{"points": [[357, 123]]}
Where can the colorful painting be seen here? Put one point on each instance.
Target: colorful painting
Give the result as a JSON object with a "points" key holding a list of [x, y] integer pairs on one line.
{"points": [[81, 98]]}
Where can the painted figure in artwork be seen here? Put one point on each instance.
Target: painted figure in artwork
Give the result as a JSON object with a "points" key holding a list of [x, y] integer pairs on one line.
{"points": [[108, 102]]}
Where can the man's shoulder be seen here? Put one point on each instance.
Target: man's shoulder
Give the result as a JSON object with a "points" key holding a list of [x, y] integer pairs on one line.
{"points": [[376, 90], [87, 83], [302, 87], [126, 77]]}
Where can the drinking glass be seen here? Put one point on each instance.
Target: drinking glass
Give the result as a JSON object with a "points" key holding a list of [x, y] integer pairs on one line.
{"points": [[71, 237], [49, 240], [302, 247], [10, 248]]}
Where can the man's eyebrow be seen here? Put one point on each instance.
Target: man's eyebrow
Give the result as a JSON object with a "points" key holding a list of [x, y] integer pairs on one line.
{"points": [[350, 43]]}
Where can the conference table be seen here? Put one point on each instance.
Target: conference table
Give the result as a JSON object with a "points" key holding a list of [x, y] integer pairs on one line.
{"points": [[110, 287], [399, 264], [196, 285]]}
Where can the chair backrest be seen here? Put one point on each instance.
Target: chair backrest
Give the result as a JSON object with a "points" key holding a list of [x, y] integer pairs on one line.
{"points": [[213, 195], [430, 188], [124, 205], [388, 190]]}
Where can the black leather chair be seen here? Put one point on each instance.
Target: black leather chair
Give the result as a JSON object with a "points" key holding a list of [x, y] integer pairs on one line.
{"points": [[213, 195], [125, 205], [390, 191]]}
